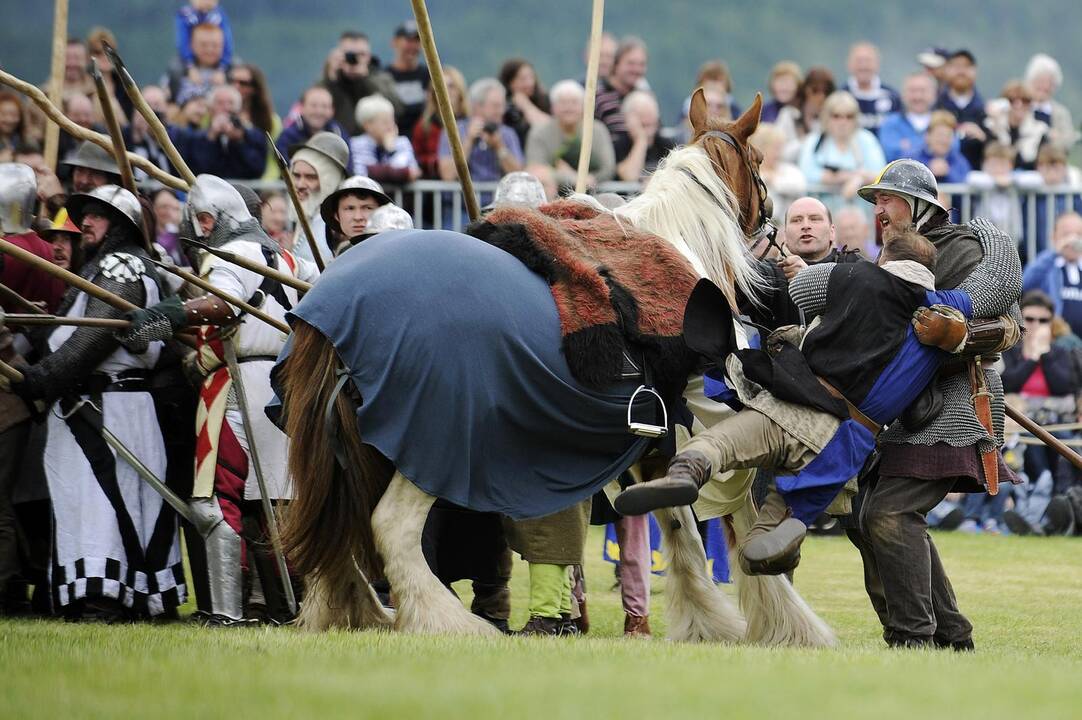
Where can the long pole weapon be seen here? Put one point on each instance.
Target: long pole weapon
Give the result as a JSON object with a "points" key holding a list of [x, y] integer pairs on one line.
{"points": [[291, 188], [127, 179], [264, 270], [268, 509], [1046, 437], [157, 129], [34, 320], [231, 299], [12, 296], [586, 148], [79, 282], [170, 497], [443, 102], [80, 132], [56, 78]]}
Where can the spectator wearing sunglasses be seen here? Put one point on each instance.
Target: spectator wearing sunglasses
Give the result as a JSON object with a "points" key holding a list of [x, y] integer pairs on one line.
{"points": [[1045, 371], [842, 155]]}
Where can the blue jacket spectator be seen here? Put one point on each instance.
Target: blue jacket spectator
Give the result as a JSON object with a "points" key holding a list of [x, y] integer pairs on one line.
{"points": [[492, 148], [228, 147], [1058, 270], [201, 12], [962, 100], [316, 115], [874, 99], [902, 133]]}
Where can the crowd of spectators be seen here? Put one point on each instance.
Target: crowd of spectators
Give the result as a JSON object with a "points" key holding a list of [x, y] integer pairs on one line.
{"points": [[1004, 154]]}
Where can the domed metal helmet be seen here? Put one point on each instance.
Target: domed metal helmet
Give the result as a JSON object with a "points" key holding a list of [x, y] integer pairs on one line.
{"points": [[125, 206], [519, 188], [93, 157], [388, 217], [251, 200], [210, 194], [18, 193], [358, 184], [329, 144], [905, 177]]}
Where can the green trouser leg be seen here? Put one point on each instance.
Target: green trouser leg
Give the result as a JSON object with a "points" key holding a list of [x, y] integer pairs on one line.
{"points": [[548, 586], [565, 593]]}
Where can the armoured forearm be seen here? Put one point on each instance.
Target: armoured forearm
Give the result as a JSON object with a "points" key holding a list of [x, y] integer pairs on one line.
{"points": [[989, 336]]}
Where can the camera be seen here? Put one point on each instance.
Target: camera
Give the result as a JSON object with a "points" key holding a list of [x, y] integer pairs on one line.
{"points": [[351, 58], [235, 119], [491, 128]]}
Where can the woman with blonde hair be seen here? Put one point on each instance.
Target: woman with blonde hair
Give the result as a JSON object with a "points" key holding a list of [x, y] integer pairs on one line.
{"points": [[843, 155], [429, 128]]}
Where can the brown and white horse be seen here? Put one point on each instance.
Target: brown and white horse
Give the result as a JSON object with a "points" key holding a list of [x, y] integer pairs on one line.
{"points": [[707, 200]]}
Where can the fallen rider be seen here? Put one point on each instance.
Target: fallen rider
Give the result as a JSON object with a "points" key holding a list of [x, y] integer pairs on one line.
{"points": [[812, 414]]}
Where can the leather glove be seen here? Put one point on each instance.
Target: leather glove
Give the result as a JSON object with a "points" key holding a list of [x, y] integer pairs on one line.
{"points": [[941, 326], [157, 322]]}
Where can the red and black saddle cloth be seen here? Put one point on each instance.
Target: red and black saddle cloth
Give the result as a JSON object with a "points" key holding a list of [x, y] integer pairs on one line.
{"points": [[617, 289]]}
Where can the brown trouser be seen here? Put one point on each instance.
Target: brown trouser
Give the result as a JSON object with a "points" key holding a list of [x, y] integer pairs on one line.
{"points": [[749, 439]]}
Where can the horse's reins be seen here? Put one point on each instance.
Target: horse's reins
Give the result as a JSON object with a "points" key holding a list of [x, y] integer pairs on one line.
{"points": [[764, 228]]}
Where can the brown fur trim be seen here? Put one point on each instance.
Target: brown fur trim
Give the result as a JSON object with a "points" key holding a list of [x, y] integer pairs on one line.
{"points": [[614, 286]]}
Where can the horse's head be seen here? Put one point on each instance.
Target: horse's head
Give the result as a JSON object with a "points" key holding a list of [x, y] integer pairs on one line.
{"points": [[736, 162]]}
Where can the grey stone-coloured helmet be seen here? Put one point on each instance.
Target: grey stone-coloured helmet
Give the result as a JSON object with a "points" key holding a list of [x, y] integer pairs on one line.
{"points": [[329, 144], [388, 217], [361, 184], [91, 156], [18, 194], [905, 177], [126, 206], [210, 194], [519, 188]]}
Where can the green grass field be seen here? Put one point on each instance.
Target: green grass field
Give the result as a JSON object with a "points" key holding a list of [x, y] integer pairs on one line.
{"points": [[1024, 596]]}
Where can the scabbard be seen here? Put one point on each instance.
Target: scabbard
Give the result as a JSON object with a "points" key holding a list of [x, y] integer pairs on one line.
{"points": [[982, 406]]}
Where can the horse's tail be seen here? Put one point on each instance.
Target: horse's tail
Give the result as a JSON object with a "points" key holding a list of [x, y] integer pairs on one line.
{"points": [[327, 532], [775, 611]]}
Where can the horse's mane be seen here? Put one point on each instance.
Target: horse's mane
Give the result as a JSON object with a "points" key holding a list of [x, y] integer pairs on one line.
{"points": [[705, 229]]}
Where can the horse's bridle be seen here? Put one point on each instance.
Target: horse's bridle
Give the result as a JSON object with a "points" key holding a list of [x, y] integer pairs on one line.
{"points": [[764, 230]]}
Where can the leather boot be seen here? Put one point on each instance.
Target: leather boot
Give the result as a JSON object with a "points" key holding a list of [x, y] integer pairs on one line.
{"points": [[688, 472], [635, 626], [772, 546]]}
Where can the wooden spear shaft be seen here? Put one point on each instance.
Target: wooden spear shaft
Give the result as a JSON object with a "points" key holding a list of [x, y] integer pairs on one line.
{"points": [[32, 320], [127, 179], [1046, 437], [56, 78], [443, 101], [302, 218], [10, 373], [12, 296], [586, 147], [80, 132], [79, 282], [157, 129], [264, 270], [232, 300]]}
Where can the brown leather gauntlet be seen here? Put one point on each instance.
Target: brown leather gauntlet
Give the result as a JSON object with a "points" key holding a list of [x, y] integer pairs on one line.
{"points": [[989, 336], [208, 310], [940, 326]]}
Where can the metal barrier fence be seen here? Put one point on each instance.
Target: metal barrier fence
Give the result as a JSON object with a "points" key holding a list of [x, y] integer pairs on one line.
{"points": [[1027, 215]]}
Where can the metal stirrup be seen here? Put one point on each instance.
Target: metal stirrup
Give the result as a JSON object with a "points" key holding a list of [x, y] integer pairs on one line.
{"points": [[647, 429]]}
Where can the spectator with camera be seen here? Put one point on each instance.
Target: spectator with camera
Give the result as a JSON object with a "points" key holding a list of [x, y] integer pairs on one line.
{"points": [[229, 147], [352, 73], [492, 148]]}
